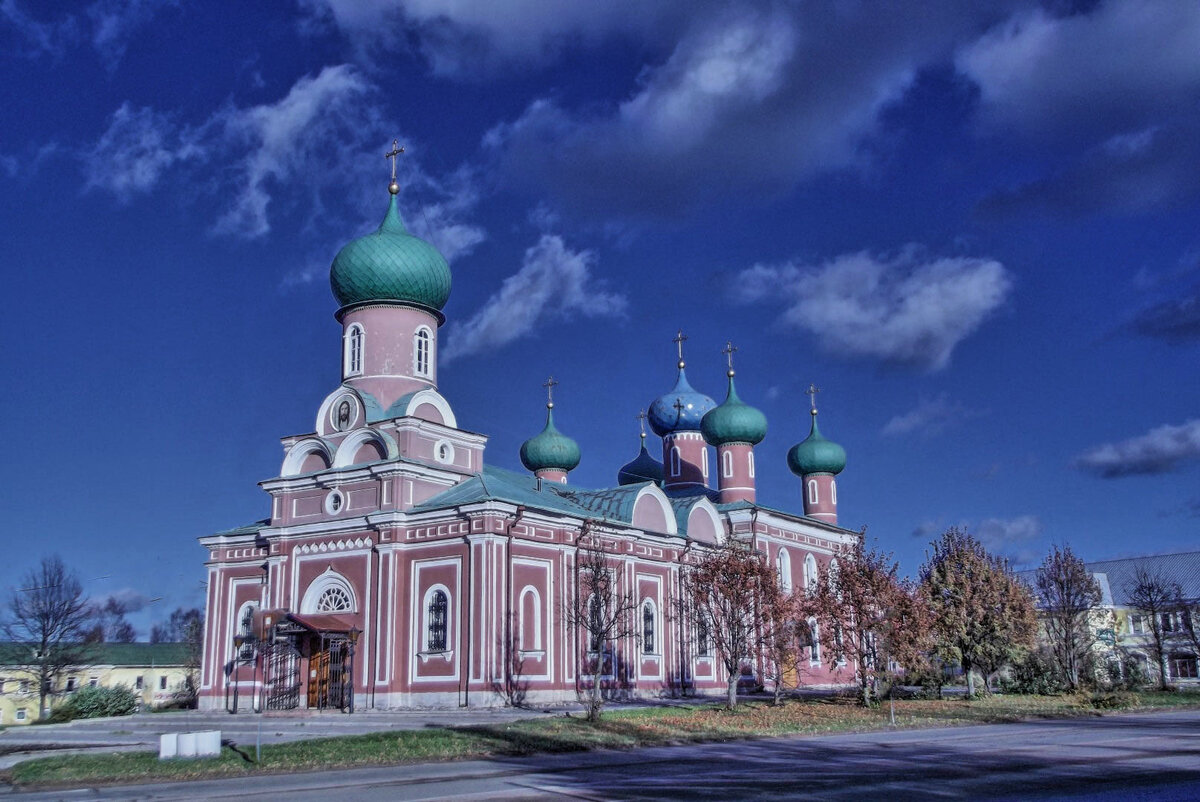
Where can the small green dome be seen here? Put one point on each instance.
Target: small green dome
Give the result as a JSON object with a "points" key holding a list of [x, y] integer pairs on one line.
{"points": [[642, 468], [550, 450], [816, 454], [734, 421], [390, 265]]}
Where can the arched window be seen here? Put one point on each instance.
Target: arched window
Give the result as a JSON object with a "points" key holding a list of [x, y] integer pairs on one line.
{"points": [[422, 346], [833, 491], [648, 617], [674, 460], [704, 463], [334, 599], [727, 464], [750, 462], [435, 622], [812, 491], [245, 628], [814, 641], [352, 362], [529, 626], [810, 573], [783, 566]]}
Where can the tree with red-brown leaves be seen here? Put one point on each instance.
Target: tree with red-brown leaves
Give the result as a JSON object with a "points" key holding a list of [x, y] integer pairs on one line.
{"points": [[735, 596], [873, 618]]}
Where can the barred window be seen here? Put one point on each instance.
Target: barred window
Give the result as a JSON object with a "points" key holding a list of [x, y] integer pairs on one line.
{"points": [[438, 604], [703, 640]]}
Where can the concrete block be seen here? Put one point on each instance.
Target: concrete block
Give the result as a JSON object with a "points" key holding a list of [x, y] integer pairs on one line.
{"points": [[168, 746], [187, 744], [208, 743]]}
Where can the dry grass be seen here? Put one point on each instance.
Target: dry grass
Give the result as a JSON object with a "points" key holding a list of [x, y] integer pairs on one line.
{"points": [[624, 729]]}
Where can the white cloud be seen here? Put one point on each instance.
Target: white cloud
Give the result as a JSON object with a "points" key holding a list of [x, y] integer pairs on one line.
{"points": [[905, 309], [1109, 70], [1014, 538], [930, 416], [313, 126], [553, 281], [136, 150], [114, 22], [308, 145], [465, 37], [1158, 451]]}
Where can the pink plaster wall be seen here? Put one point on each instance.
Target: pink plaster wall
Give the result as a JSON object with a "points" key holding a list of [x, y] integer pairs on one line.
{"points": [[388, 369]]}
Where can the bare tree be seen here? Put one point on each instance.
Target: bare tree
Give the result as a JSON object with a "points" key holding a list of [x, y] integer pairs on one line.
{"points": [[1156, 599], [1067, 592], [735, 596], [46, 621], [602, 612], [784, 637], [185, 625], [511, 684], [110, 625]]}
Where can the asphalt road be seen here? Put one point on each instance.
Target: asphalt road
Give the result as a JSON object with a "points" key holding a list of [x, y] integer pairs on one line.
{"points": [[1119, 757]]}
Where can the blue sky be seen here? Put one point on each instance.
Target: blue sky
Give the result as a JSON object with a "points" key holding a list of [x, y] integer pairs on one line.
{"points": [[973, 225]]}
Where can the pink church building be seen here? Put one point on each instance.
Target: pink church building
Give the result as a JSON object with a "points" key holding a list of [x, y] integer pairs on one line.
{"points": [[398, 568]]}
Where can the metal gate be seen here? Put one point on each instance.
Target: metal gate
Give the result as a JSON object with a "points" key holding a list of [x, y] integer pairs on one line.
{"points": [[281, 661], [329, 686]]}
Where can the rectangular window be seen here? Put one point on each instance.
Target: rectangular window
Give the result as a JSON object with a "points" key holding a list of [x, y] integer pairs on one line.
{"points": [[93, 681], [21, 714], [1137, 624], [140, 682], [1168, 622], [70, 684], [162, 682]]}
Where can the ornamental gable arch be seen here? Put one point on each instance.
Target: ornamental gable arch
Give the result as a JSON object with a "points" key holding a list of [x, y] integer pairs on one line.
{"points": [[330, 592]]}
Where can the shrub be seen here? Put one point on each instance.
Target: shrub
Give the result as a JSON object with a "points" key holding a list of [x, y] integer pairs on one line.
{"points": [[1034, 673], [96, 702], [1114, 700]]}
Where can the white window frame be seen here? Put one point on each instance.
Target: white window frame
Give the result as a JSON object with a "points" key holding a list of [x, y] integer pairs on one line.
{"points": [[354, 348], [727, 464], [423, 352], [812, 573], [675, 460], [656, 632], [425, 622], [783, 566], [833, 491], [812, 491], [536, 646]]}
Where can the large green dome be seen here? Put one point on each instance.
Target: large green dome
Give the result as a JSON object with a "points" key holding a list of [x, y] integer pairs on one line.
{"points": [[550, 450], [816, 454], [390, 264], [734, 421]]}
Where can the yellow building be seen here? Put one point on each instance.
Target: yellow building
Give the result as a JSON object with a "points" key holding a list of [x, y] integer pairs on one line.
{"points": [[156, 672]]}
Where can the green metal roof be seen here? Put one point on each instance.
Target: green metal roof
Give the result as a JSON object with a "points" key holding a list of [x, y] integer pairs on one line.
{"points": [[816, 454], [734, 421], [550, 448], [112, 654], [390, 265], [248, 529]]}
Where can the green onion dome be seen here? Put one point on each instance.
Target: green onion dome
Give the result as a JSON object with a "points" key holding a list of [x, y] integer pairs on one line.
{"points": [[816, 454], [390, 265], [734, 421], [642, 468], [550, 450]]}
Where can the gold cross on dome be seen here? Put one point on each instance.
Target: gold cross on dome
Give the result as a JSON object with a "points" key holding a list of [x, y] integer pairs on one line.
{"points": [[728, 352], [550, 384], [392, 154], [679, 340], [811, 392]]}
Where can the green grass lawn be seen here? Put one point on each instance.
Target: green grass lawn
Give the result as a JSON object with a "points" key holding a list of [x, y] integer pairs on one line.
{"points": [[624, 729]]}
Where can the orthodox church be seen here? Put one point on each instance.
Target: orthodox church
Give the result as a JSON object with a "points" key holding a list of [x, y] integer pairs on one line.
{"points": [[398, 568]]}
